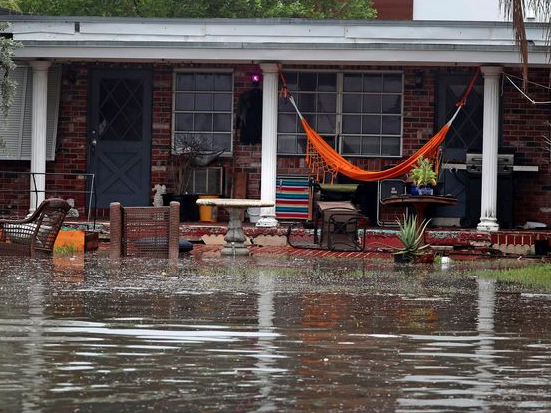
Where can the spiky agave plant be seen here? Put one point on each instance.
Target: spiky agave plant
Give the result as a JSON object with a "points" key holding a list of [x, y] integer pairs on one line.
{"points": [[412, 237]]}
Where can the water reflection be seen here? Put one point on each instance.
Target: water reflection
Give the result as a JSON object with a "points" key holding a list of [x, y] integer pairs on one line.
{"points": [[253, 335]]}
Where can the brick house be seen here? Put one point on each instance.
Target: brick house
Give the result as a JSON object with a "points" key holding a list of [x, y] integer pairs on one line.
{"points": [[109, 96]]}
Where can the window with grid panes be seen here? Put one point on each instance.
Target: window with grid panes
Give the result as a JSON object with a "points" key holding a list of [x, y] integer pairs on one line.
{"points": [[316, 97], [364, 110], [203, 105]]}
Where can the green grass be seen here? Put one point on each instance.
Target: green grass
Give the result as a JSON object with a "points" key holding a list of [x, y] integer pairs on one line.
{"points": [[534, 275], [65, 250]]}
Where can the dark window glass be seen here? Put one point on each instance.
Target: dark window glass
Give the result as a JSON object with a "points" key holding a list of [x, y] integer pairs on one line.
{"points": [[392, 83], [203, 122], [204, 81], [392, 104], [185, 81], [373, 83], [351, 145], [351, 124], [391, 125], [351, 103], [222, 102], [371, 124], [352, 83], [222, 82], [327, 103], [327, 82], [390, 146], [203, 101], [307, 102], [371, 103], [307, 82], [371, 145]]}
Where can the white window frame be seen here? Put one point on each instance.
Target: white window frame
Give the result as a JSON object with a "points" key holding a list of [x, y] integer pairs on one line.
{"points": [[339, 111], [175, 112], [16, 130], [219, 184]]}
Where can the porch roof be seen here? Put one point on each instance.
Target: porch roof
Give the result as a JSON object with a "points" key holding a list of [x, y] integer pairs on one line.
{"points": [[285, 40]]}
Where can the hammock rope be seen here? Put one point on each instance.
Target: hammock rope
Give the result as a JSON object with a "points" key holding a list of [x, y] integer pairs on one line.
{"points": [[322, 159]]}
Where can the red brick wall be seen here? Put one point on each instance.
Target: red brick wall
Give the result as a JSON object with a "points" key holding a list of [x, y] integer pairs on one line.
{"points": [[523, 126]]}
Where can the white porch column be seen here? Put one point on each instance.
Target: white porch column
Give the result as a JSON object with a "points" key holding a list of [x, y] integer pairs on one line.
{"points": [[269, 144], [490, 137], [38, 130]]}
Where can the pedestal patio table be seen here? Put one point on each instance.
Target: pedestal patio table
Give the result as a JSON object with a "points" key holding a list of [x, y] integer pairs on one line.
{"points": [[419, 202], [235, 237]]}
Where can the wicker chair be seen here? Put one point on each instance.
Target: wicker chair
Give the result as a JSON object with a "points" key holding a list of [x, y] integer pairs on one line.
{"points": [[144, 231], [35, 234]]}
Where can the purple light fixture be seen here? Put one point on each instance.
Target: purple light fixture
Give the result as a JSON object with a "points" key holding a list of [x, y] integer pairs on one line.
{"points": [[255, 78]]}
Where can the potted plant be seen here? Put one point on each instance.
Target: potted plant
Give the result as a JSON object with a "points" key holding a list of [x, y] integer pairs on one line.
{"points": [[411, 235], [423, 177], [187, 152]]}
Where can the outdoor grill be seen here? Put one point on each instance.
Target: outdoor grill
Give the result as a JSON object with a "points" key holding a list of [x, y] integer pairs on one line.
{"points": [[505, 163], [473, 167]]}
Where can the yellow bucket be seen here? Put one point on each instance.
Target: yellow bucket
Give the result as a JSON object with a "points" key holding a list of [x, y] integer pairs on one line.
{"points": [[208, 213]]}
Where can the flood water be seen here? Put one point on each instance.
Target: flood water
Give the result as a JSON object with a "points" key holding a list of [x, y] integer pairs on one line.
{"points": [[267, 335]]}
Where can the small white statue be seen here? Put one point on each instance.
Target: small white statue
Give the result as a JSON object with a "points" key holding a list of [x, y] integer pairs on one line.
{"points": [[73, 212], [158, 197]]}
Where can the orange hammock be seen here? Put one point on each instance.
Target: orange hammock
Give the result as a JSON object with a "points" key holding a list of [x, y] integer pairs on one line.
{"points": [[322, 159]]}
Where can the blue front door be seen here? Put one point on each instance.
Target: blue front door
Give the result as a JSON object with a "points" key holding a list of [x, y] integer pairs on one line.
{"points": [[119, 135]]}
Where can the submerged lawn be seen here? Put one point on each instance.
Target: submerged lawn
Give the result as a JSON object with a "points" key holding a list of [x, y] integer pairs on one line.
{"points": [[534, 275]]}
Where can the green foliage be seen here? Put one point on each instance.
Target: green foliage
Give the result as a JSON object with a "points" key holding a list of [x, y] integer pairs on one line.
{"points": [[66, 250], [422, 173], [412, 237], [7, 85], [312, 9], [10, 4], [536, 275]]}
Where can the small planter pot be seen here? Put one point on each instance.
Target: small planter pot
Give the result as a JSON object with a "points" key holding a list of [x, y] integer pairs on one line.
{"points": [[189, 210], [426, 190], [424, 258], [414, 190]]}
